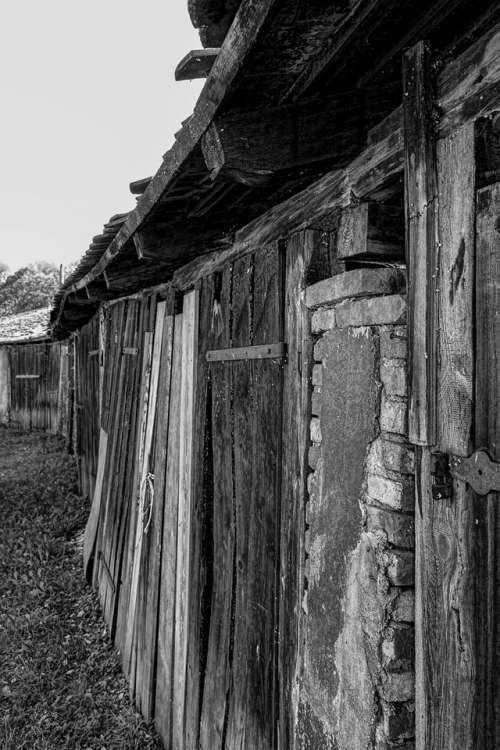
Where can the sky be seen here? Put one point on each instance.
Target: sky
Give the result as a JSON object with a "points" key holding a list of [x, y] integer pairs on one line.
{"points": [[88, 103]]}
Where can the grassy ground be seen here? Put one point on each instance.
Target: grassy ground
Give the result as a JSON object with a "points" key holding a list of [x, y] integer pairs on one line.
{"points": [[60, 683]]}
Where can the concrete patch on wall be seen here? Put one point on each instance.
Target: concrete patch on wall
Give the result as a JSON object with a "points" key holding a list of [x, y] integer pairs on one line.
{"points": [[348, 421]]}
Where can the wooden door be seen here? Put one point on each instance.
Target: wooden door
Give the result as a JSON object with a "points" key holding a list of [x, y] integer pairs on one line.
{"points": [[239, 694], [458, 526]]}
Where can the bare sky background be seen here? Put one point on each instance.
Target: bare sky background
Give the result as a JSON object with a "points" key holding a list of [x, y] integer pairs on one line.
{"points": [[88, 104]]}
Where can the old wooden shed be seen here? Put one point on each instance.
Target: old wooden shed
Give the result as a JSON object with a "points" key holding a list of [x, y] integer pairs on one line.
{"points": [[34, 382], [287, 393]]}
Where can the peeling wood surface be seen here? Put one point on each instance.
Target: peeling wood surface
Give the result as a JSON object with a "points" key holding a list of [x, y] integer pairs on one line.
{"points": [[456, 291]]}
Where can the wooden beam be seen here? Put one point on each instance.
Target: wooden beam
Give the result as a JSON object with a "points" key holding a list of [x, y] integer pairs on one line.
{"points": [[139, 186], [252, 145], [371, 230], [139, 244], [422, 241], [460, 100], [377, 164], [196, 64]]}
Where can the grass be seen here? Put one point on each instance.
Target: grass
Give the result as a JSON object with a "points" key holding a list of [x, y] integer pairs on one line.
{"points": [[61, 687]]}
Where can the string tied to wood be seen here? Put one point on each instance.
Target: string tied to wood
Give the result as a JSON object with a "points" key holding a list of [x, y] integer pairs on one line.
{"points": [[147, 493]]}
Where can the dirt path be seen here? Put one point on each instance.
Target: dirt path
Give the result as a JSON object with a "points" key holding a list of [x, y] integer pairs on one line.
{"points": [[60, 684]]}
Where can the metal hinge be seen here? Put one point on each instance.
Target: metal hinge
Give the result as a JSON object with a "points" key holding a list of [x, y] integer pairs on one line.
{"points": [[478, 470], [442, 483]]}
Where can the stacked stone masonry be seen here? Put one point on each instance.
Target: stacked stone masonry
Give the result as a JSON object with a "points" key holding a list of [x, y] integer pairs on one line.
{"points": [[360, 525]]}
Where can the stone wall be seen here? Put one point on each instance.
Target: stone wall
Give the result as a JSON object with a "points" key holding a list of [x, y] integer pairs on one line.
{"points": [[358, 683]]}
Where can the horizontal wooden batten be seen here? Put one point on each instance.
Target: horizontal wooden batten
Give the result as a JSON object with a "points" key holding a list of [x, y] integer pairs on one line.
{"points": [[27, 377], [262, 351]]}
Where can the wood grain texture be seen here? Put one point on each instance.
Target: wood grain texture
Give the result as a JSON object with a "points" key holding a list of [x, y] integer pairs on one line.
{"points": [[188, 382], [487, 435], [154, 540], [456, 162], [422, 242], [93, 519], [221, 636], [296, 399], [448, 584], [211, 331], [167, 593]]}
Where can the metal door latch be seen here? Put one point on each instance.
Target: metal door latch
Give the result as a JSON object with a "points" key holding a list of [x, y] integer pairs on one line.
{"points": [[478, 470]]}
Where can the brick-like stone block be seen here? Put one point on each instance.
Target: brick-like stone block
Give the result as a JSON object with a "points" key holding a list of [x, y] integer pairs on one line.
{"points": [[323, 320], [399, 720], [398, 527], [315, 430], [401, 568], [316, 402], [398, 645], [385, 455], [397, 687], [317, 375], [403, 607], [393, 416], [393, 377], [393, 343], [313, 456], [396, 495], [371, 311], [362, 282]]}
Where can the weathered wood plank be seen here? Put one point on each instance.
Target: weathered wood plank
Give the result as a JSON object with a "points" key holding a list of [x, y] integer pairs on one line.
{"points": [[152, 544], [487, 435], [422, 242], [213, 722], [455, 156], [372, 230], [469, 86], [202, 526], [296, 398], [167, 594], [448, 536], [146, 508], [257, 407], [196, 64], [93, 519], [136, 519], [188, 377]]}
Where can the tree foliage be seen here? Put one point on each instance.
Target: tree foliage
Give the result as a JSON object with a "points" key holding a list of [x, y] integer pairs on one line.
{"points": [[28, 288]]}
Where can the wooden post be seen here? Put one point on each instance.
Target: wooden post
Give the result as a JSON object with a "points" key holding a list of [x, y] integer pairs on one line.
{"points": [[422, 242]]}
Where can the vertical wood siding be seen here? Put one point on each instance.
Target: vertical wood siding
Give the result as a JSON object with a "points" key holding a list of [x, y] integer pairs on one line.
{"points": [[183, 461], [35, 386]]}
